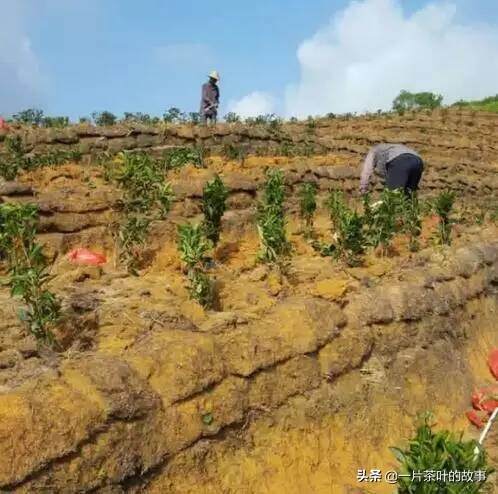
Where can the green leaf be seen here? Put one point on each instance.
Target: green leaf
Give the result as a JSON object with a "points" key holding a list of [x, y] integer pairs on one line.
{"points": [[207, 418]]}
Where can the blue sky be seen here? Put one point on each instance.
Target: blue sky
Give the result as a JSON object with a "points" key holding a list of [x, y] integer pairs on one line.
{"points": [[149, 55]]}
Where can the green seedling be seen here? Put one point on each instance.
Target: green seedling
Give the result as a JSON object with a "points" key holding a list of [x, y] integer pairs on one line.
{"points": [[440, 451], [349, 238], [336, 204], [15, 159], [272, 235], [274, 191], [307, 203], [184, 156], [132, 236], [214, 199], [443, 206], [28, 270], [193, 247], [234, 152], [145, 198], [412, 222], [271, 219], [385, 218]]}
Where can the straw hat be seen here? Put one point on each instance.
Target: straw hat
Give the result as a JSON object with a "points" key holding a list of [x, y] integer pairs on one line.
{"points": [[214, 75]]}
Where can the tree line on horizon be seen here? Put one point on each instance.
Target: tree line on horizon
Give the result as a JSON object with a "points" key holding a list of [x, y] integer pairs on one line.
{"points": [[405, 101]]}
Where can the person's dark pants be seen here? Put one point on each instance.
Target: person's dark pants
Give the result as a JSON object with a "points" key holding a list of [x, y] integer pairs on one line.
{"points": [[209, 117], [404, 172]]}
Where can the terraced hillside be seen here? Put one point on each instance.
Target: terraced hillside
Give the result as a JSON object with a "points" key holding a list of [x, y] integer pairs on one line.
{"points": [[297, 377]]}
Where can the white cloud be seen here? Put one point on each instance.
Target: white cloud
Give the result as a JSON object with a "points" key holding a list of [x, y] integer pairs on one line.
{"points": [[371, 50], [22, 82], [253, 104], [184, 54]]}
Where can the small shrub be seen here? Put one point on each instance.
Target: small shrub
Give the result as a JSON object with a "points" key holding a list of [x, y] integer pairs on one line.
{"points": [[336, 204], [443, 206], [311, 124], [348, 225], [274, 191], [141, 118], [385, 219], [214, 199], [412, 222], [274, 123], [286, 149], [440, 451], [13, 161], [179, 157], [104, 118], [232, 117], [307, 196], [174, 115], [132, 235], [273, 239], [271, 219], [350, 239], [193, 247], [146, 197], [55, 122], [28, 269], [32, 116], [194, 118], [307, 149], [234, 152]]}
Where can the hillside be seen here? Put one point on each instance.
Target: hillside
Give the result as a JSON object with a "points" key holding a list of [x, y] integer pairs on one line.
{"points": [[297, 376]]}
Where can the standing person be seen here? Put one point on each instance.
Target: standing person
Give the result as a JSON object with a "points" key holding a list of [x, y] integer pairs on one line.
{"points": [[400, 166], [210, 98]]}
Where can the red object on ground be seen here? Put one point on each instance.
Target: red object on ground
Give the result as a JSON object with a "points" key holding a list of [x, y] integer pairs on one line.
{"points": [[477, 418], [3, 124], [489, 406], [485, 398], [85, 256], [493, 362]]}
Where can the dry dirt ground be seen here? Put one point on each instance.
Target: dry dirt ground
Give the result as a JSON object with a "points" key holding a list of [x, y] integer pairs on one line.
{"points": [[296, 380]]}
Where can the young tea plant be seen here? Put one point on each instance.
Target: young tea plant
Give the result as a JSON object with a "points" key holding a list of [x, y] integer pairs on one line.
{"points": [[412, 222], [440, 451], [13, 160], [443, 206], [146, 197], [214, 199], [132, 236], [337, 206], [193, 247], [271, 220], [307, 203], [181, 157], [350, 238], [28, 270], [385, 218], [348, 226]]}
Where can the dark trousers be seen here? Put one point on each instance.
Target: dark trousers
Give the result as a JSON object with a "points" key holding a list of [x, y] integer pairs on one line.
{"points": [[404, 172], [209, 117]]}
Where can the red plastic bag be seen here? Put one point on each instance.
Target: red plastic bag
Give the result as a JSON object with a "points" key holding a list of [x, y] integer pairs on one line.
{"points": [[493, 362], [479, 419], [87, 257]]}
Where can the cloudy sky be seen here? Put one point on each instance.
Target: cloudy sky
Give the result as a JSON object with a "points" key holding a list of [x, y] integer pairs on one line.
{"points": [[291, 57]]}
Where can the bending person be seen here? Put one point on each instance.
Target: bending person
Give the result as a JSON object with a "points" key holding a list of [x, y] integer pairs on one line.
{"points": [[400, 166]]}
